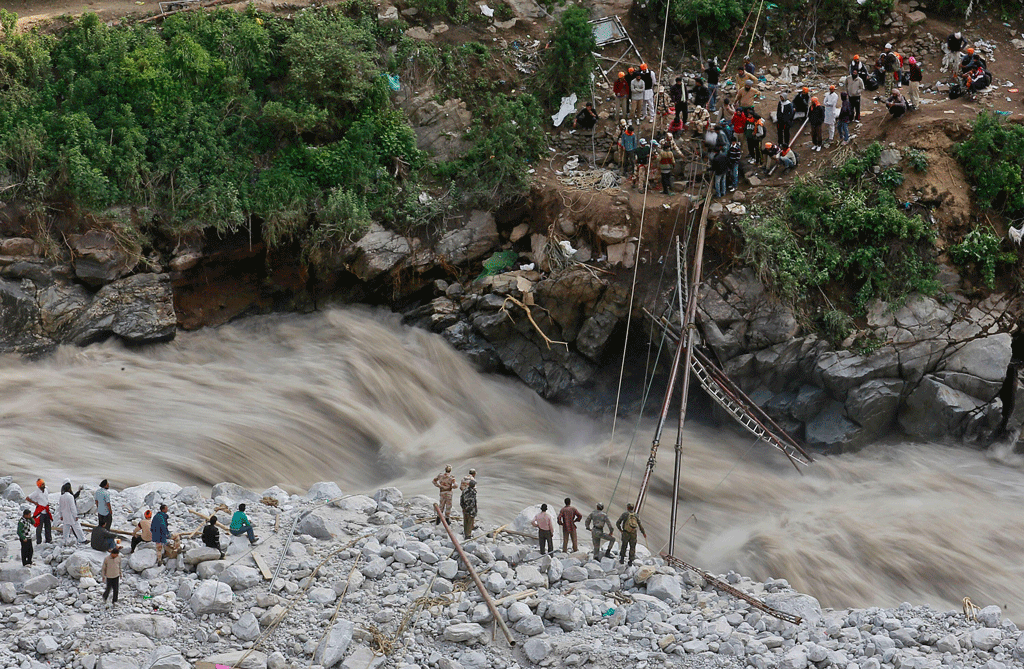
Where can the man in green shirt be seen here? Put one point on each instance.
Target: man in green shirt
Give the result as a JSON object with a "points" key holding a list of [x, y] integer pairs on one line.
{"points": [[240, 525], [25, 526]]}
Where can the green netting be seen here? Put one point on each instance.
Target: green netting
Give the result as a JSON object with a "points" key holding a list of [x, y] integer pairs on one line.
{"points": [[499, 262]]}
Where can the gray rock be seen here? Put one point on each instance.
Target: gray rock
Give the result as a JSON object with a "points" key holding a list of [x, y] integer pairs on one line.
{"points": [[831, 432], [240, 577], [379, 251], [101, 257], [889, 158], [986, 638], [59, 306], [468, 633], [840, 371], [375, 568], [536, 650], [166, 657], [362, 657], [138, 309], [334, 646], [530, 625], [46, 645], [986, 358], [990, 616], [805, 606], [211, 597], [8, 592], [665, 587], [189, 495], [448, 569], [201, 554], [235, 493], [211, 569], [970, 384], [948, 644], [472, 241], [530, 576], [253, 659], [392, 496], [19, 321], [934, 411], [246, 628], [324, 490], [155, 627], [14, 493], [39, 584], [794, 658], [873, 404], [143, 558]]}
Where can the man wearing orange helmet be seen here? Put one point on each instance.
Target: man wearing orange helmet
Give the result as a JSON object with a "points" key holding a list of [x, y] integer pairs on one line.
{"points": [[650, 81], [621, 90], [858, 68], [42, 516]]}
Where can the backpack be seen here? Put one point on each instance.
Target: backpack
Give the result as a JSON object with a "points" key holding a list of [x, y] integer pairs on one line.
{"points": [[631, 524]]}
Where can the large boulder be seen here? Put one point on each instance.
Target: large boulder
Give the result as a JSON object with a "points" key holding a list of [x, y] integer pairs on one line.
{"points": [[211, 597], [59, 306], [935, 411], [138, 309], [873, 405], [135, 496], [379, 251], [796, 603], [468, 633], [470, 242], [19, 320], [841, 371], [979, 366], [155, 627], [240, 577], [101, 257], [439, 126], [832, 432], [235, 493]]}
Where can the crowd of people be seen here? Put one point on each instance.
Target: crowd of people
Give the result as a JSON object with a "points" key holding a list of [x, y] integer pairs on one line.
{"points": [[597, 522], [726, 124]]}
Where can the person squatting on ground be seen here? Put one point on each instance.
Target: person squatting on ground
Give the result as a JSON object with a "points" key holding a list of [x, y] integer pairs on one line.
{"points": [[240, 525], [142, 530], [467, 501], [445, 482], [67, 511], [160, 532], [787, 158], [586, 118], [596, 522], [567, 519], [211, 535], [25, 537], [628, 524], [542, 521], [896, 103], [111, 571], [105, 516], [43, 515], [102, 539]]}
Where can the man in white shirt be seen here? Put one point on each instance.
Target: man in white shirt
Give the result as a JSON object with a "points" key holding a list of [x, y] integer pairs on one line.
{"points": [[41, 515]]}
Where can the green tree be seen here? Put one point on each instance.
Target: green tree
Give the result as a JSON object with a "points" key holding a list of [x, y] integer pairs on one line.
{"points": [[569, 62]]}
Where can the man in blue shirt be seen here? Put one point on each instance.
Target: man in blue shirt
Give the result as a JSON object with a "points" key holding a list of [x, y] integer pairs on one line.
{"points": [[106, 516]]}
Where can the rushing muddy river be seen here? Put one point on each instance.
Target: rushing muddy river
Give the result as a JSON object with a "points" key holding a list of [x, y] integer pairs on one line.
{"points": [[352, 396]]}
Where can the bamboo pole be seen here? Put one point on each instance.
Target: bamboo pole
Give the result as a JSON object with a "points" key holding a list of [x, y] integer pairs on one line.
{"points": [[476, 579]]}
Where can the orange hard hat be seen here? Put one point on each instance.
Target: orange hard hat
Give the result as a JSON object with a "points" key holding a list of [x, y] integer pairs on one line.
{"points": [[832, 88], [643, 66], [621, 75], [631, 70], [970, 49], [814, 100], [41, 483], [805, 89], [148, 514], [767, 145], [856, 57]]}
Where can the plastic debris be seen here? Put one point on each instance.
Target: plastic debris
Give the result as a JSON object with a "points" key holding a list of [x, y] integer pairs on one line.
{"points": [[568, 107], [486, 11]]}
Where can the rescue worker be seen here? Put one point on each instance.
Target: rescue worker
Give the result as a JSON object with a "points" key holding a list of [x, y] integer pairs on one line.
{"points": [[628, 524], [816, 118], [712, 73], [783, 118], [596, 522], [831, 104], [621, 90], [650, 82], [754, 132], [628, 144], [464, 483], [67, 512], [42, 516], [567, 519], [445, 482], [467, 500]]}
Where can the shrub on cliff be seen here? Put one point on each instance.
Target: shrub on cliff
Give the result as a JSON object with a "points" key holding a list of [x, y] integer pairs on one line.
{"points": [[993, 157], [569, 59]]}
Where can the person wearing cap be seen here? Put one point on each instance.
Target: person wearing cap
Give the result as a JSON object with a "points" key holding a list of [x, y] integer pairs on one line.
{"points": [[816, 118], [916, 77], [854, 88], [801, 103], [650, 82], [951, 48], [677, 94], [467, 502], [636, 94], [586, 118], [783, 118], [43, 515], [712, 73], [596, 522], [858, 68], [831, 104], [628, 144], [25, 536], [643, 155], [103, 512], [621, 90], [142, 531], [748, 66], [666, 163]]}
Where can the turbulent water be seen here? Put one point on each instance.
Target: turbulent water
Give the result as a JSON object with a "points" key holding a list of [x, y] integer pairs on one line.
{"points": [[351, 396]]}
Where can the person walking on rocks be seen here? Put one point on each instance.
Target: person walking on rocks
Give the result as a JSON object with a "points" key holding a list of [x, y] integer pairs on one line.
{"points": [[240, 525], [111, 571], [596, 522], [43, 515], [628, 524], [25, 537], [160, 532], [445, 482], [103, 512], [67, 512], [211, 535], [567, 519], [831, 104], [542, 521], [467, 500], [142, 531]]}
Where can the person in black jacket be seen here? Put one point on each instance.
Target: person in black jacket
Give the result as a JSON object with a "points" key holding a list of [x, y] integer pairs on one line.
{"points": [[712, 72], [677, 93], [801, 104], [211, 535], [816, 118], [586, 118], [720, 169], [700, 93], [102, 539], [783, 118]]}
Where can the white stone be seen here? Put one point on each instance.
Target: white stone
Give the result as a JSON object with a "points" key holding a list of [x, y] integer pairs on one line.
{"points": [[537, 649], [211, 597], [375, 568], [530, 577], [253, 659], [990, 616], [155, 627], [334, 646], [142, 559], [247, 628], [240, 577], [211, 569], [325, 490], [530, 625], [517, 611], [448, 569], [235, 493], [360, 503], [46, 645], [665, 587], [323, 595], [201, 554], [468, 633], [39, 584], [166, 657], [986, 638]]}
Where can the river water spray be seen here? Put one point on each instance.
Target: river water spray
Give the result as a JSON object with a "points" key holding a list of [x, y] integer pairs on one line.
{"points": [[351, 396]]}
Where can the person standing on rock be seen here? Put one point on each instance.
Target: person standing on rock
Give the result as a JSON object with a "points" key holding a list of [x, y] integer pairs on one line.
{"points": [[916, 76], [240, 525], [621, 90], [103, 512], [712, 73], [42, 516], [445, 482], [160, 532], [636, 94], [567, 519], [25, 537], [542, 521], [628, 524], [111, 571], [596, 522], [142, 531], [666, 164], [67, 512], [211, 535], [467, 501]]}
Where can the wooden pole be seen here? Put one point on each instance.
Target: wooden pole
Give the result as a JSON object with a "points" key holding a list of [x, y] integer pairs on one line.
{"points": [[476, 578]]}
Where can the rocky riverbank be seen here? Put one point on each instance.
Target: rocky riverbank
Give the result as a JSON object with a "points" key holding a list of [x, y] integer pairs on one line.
{"points": [[361, 574]]}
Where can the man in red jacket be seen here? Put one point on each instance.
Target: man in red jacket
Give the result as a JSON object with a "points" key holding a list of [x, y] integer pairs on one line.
{"points": [[567, 518]]}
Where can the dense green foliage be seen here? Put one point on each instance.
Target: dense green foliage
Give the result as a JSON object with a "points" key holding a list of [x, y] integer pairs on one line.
{"points": [[980, 249], [848, 230], [569, 61], [993, 157], [1002, 9]]}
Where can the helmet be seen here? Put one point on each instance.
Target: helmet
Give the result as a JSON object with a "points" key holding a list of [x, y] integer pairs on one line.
{"points": [[814, 101], [970, 49], [41, 483], [621, 75], [600, 506], [805, 89], [832, 87], [631, 70], [767, 145], [643, 66], [888, 46], [912, 60], [655, 144], [148, 514], [856, 57], [643, 142]]}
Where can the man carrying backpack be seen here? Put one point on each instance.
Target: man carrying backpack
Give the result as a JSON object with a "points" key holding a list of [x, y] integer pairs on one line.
{"points": [[628, 523]]}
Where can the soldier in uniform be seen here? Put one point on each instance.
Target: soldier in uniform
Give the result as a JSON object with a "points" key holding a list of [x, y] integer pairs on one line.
{"points": [[628, 523], [467, 500], [596, 522], [445, 482], [471, 476]]}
